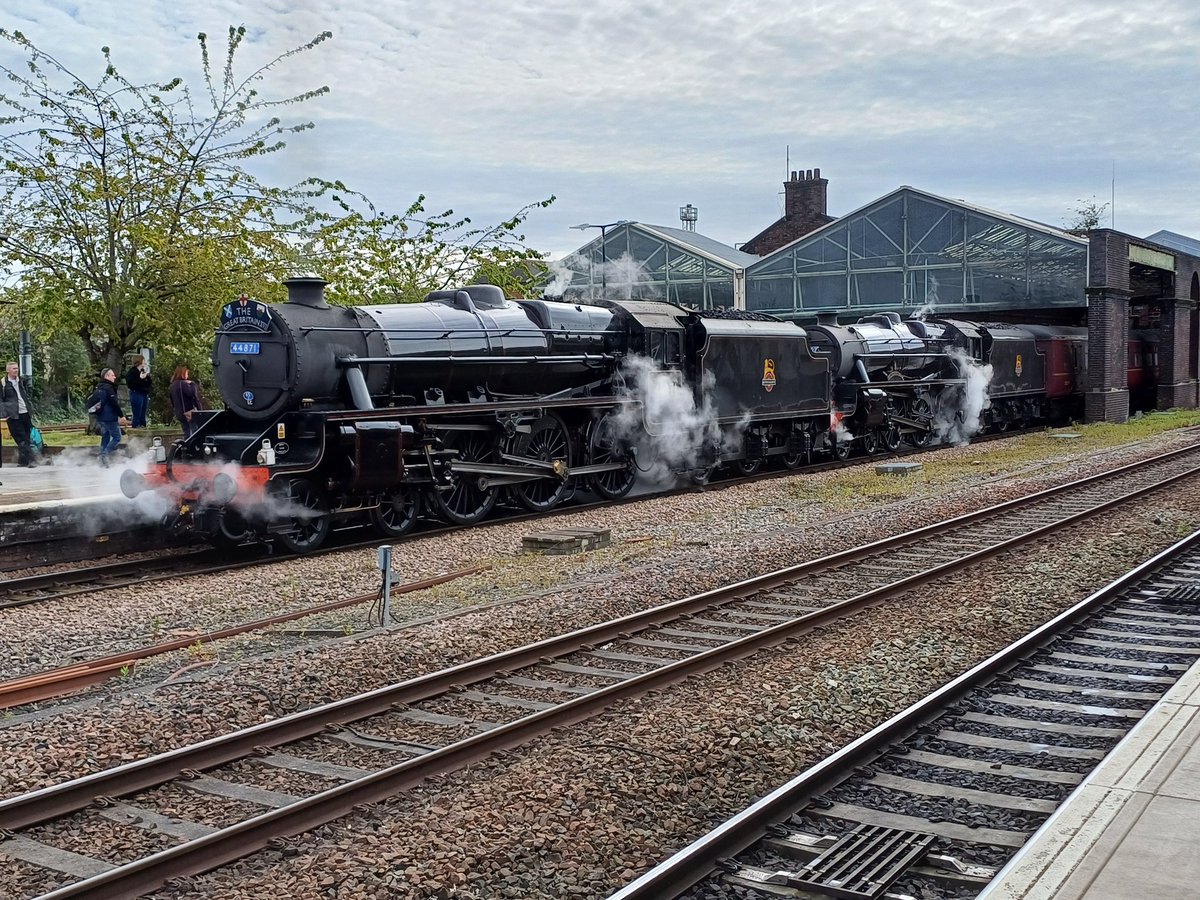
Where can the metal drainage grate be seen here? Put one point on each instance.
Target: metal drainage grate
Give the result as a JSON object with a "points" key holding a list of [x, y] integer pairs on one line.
{"points": [[863, 863], [1181, 594]]}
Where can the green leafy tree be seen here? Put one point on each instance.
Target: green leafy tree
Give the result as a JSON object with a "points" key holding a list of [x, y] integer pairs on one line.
{"points": [[370, 256], [130, 207], [129, 214]]}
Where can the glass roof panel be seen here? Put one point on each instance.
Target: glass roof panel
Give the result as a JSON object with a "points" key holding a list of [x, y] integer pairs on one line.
{"points": [[827, 253], [877, 239], [681, 265], [935, 233]]}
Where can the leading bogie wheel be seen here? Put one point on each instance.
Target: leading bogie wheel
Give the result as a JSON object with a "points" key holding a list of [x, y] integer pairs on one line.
{"points": [[839, 446], [233, 530], [549, 442], [397, 512], [307, 511]]}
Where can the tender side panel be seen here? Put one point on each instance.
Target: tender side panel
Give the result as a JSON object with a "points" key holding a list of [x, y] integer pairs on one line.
{"points": [[762, 368]]}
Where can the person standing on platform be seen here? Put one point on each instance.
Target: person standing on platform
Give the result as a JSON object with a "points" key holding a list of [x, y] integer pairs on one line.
{"points": [[17, 412], [108, 412], [137, 379], [185, 399]]}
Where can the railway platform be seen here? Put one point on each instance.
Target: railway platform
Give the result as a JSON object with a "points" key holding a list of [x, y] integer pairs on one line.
{"points": [[1131, 829], [69, 508]]}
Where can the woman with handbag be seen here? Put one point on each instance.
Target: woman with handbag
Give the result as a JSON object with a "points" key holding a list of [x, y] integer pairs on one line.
{"points": [[185, 399]]}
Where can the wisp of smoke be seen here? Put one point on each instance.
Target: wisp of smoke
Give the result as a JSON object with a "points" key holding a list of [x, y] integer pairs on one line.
{"points": [[931, 299], [959, 414], [561, 272], [78, 472], [672, 432], [622, 278]]}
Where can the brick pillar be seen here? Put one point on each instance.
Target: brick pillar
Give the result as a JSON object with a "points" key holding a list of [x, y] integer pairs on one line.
{"points": [[1176, 387], [1107, 396]]}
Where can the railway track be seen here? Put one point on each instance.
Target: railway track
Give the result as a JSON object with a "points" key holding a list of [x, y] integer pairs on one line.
{"points": [[446, 719], [934, 801], [206, 560]]}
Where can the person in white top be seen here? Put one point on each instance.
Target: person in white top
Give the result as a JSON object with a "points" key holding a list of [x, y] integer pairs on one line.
{"points": [[16, 411]]}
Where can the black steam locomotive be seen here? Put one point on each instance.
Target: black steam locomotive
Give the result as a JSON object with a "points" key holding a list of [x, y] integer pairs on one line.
{"points": [[450, 406]]}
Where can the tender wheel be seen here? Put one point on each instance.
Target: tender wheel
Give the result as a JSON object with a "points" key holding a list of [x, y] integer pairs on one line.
{"points": [[839, 448], [308, 513], [747, 466], [891, 438], [794, 460], [605, 446], [547, 441], [397, 512], [466, 502], [870, 442]]}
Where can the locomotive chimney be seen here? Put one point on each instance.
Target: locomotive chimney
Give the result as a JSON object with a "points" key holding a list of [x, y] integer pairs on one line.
{"points": [[827, 318], [307, 290]]}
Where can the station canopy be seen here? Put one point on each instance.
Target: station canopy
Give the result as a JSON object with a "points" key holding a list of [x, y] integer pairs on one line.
{"points": [[637, 261], [911, 249]]}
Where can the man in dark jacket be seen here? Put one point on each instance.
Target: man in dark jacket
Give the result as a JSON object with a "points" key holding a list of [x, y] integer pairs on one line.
{"points": [[15, 405], [108, 414]]}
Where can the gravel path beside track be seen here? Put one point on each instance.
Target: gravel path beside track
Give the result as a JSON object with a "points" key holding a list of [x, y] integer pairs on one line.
{"points": [[576, 815]]}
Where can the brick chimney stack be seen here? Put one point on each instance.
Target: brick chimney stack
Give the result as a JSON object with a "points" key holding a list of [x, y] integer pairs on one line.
{"points": [[805, 209], [806, 196]]}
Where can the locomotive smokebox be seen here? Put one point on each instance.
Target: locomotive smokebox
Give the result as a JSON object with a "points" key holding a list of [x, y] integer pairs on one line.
{"points": [[307, 290]]}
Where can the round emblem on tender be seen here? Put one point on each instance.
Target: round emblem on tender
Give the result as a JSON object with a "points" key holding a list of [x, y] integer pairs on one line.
{"points": [[248, 396]]}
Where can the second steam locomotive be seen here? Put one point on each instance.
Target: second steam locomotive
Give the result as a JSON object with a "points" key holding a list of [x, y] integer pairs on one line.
{"points": [[469, 399]]}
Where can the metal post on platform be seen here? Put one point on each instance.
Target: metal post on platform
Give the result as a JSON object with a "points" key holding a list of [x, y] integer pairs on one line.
{"points": [[385, 566], [26, 359]]}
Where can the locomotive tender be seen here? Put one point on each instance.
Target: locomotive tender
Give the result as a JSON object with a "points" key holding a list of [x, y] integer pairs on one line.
{"points": [[449, 406]]}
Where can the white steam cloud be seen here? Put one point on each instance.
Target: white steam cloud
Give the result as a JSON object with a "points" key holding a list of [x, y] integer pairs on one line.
{"points": [[959, 413], [77, 471], [674, 431], [622, 278], [931, 298]]}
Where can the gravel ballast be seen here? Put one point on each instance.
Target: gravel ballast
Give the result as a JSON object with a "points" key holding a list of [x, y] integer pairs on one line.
{"points": [[577, 814]]}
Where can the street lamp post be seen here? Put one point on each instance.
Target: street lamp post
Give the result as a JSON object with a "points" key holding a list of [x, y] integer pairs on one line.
{"points": [[603, 248], [25, 349]]}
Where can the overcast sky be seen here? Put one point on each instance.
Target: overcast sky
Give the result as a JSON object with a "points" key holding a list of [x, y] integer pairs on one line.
{"points": [[629, 110]]}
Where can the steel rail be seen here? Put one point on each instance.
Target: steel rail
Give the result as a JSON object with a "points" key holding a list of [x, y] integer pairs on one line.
{"points": [[56, 682], [90, 578], [698, 860], [58, 800], [234, 842]]}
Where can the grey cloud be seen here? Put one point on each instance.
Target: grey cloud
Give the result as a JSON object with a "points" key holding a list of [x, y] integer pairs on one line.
{"points": [[631, 110]]}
